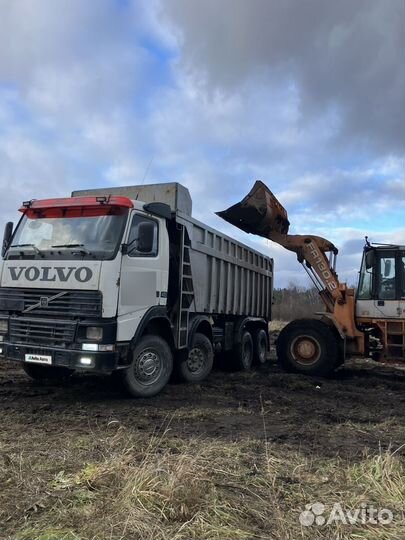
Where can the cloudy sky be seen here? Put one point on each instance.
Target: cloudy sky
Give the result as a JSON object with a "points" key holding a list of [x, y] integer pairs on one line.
{"points": [[307, 96]]}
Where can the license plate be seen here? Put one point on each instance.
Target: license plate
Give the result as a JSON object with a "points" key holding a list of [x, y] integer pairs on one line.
{"points": [[38, 359]]}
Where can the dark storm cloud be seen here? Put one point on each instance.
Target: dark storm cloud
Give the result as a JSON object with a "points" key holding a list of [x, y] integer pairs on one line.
{"points": [[344, 57]]}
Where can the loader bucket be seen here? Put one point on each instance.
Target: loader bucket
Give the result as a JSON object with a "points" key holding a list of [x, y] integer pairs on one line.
{"points": [[258, 213]]}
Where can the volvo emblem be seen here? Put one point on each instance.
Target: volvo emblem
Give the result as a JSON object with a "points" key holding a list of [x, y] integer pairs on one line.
{"points": [[44, 301]]}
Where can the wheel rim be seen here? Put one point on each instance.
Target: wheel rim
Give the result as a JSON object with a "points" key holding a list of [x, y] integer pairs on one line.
{"points": [[147, 367], [306, 350], [195, 360]]}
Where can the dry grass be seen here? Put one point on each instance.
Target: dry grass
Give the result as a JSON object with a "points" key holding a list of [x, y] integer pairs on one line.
{"points": [[115, 484]]}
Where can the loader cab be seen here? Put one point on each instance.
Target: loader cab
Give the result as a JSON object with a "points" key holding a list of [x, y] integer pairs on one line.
{"points": [[381, 290]]}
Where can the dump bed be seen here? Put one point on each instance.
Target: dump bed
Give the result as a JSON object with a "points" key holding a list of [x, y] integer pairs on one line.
{"points": [[229, 277]]}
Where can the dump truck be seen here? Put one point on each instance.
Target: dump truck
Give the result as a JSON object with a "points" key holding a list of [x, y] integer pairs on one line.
{"points": [[368, 321], [125, 280]]}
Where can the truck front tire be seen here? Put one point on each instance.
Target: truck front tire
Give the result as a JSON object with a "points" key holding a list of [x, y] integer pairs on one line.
{"points": [[150, 367], [198, 364], [308, 346]]}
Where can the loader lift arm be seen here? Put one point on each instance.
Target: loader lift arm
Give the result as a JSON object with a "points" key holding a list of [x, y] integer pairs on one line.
{"points": [[262, 214], [318, 257]]}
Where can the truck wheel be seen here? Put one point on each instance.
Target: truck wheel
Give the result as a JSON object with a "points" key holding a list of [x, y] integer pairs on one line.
{"points": [[198, 365], [150, 367], [261, 346], [244, 352], [51, 373], [308, 346]]}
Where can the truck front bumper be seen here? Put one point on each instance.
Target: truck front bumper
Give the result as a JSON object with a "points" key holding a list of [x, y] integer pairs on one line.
{"points": [[100, 362]]}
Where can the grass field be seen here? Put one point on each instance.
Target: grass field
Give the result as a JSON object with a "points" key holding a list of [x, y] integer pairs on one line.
{"points": [[238, 457]]}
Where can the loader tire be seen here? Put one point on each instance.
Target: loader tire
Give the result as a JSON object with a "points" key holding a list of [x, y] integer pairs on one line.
{"points": [[308, 346]]}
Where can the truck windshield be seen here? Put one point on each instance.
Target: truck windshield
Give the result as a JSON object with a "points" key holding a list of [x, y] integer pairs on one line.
{"points": [[92, 235]]}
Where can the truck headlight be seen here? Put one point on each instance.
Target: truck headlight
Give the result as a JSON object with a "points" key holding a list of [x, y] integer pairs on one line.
{"points": [[90, 347], [3, 326], [95, 347], [94, 333]]}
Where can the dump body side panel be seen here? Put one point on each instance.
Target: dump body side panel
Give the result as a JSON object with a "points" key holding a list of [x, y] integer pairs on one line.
{"points": [[229, 278]]}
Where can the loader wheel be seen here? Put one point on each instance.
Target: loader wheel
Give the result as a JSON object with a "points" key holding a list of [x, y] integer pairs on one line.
{"points": [[261, 346], [244, 352], [308, 346], [198, 364], [150, 368], [40, 373]]}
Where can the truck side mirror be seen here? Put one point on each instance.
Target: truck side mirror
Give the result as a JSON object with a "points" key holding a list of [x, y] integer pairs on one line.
{"points": [[370, 259], [146, 236], [387, 268], [8, 233]]}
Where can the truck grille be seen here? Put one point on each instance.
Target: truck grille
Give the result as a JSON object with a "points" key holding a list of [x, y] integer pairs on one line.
{"points": [[41, 331], [70, 304]]}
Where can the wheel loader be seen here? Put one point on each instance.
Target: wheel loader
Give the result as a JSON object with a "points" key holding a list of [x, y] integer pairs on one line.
{"points": [[368, 321]]}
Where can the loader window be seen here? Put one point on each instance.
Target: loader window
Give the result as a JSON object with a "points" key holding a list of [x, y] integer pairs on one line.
{"points": [[387, 284], [365, 283]]}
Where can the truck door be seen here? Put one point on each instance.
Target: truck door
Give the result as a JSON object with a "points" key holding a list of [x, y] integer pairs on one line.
{"points": [[144, 272]]}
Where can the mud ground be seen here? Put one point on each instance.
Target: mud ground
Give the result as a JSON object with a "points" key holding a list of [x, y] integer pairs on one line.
{"points": [[361, 407]]}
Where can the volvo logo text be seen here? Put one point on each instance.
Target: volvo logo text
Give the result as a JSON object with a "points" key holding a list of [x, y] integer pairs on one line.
{"points": [[82, 274]]}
